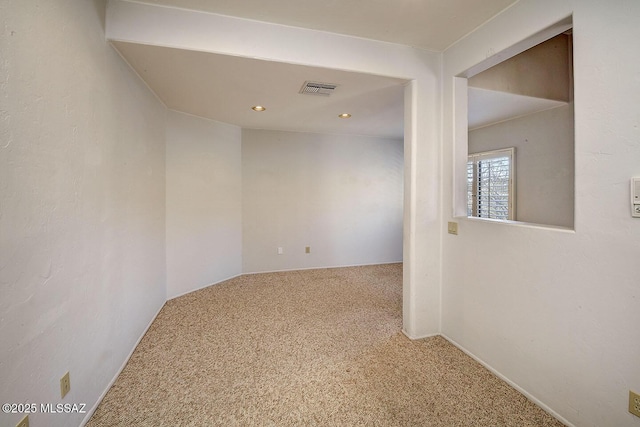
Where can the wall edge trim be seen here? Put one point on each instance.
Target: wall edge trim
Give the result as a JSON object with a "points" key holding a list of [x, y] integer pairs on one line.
{"points": [[203, 287], [91, 411], [320, 267], [419, 337], [497, 373]]}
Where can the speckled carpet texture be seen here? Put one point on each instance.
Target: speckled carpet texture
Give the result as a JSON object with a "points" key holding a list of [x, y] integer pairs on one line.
{"points": [[304, 348]]}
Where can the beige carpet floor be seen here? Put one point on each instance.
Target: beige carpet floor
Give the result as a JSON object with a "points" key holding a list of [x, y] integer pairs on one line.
{"points": [[305, 348]]}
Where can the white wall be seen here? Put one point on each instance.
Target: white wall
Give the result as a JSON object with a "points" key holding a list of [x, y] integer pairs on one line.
{"points": [[82, 175], [552, 313], [145, 23], [82, 262], [341, 195], [544, 162], [204, 202]]}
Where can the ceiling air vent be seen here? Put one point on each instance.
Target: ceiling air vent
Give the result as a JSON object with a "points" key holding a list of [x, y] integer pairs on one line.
{"points": [[317, 88]]}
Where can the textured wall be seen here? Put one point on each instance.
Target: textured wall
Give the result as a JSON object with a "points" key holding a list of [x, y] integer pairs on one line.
{"points": [[204, 203], [550, 309], [82, 262], [340, 195]]}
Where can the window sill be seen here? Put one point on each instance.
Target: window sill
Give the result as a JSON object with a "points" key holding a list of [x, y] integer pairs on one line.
{"points": [[518, 224]]}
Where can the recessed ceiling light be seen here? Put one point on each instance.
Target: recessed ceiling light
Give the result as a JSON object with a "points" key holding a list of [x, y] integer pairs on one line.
{"points": [[344, 115], [258, 108]]}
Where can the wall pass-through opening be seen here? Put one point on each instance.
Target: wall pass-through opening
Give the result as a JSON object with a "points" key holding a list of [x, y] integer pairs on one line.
{"points": [[522, 105]]}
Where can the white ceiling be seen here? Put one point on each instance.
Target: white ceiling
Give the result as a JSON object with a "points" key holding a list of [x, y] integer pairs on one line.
{"points": [[427, 24], [224, 88]]}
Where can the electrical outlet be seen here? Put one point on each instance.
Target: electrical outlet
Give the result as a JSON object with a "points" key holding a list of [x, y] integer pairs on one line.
{"points": [[24, 422], [634, 403], [280, 251], [65, 385], [307, 249]]}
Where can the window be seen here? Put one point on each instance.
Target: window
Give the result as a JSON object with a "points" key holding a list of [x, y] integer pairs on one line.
{"points": [[490, 186]]}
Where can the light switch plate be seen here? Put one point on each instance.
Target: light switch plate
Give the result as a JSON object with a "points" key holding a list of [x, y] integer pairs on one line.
{"points": [[635, 197], [452, 228]]}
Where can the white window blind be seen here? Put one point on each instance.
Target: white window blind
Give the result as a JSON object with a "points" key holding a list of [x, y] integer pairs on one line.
{"points": [[490, 186]]}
